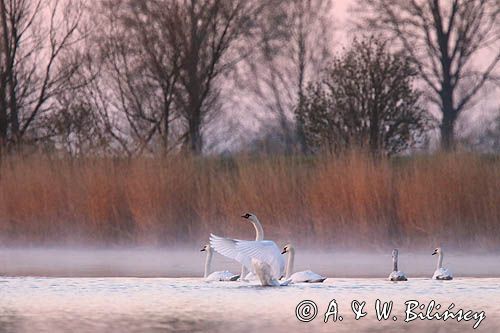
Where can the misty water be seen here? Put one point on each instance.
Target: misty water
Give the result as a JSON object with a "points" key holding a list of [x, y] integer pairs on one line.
{"points": [[143, 290]]}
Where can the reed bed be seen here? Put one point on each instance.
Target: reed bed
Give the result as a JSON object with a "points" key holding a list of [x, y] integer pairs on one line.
{"points": [[352, 201]]}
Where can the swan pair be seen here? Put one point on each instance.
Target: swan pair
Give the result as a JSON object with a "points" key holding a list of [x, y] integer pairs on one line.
{"points": [[262, 257], [441, 273]]}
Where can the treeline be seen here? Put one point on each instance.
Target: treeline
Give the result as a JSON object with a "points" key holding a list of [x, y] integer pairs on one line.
{"points": [[132, 77]]}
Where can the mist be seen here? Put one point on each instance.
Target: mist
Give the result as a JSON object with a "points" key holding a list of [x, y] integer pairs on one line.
{"points": [[175, 262]]}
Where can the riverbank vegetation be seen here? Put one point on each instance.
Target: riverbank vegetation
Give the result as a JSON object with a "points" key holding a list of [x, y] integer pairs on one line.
{"points": [[344, 201]]}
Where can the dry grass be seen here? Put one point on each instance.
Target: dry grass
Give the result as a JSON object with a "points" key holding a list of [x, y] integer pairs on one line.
{"points": [[419, 201]]}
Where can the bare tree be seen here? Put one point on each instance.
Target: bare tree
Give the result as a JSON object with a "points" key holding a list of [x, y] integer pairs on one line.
{"points": [[446, 39], [211, 35], [138, 64], [366, 100], [34, 36], [312, 38], [295, 44], [75, 125], [162, 61]]}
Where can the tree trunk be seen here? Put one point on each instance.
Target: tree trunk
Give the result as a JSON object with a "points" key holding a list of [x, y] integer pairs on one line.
{"points": [[447, 132], [302, 69], [9, 74], [166, 123], [299, 117], [374, 135], [4, 122], [194, 88], [195, 139], [4, 50], [301, 137], [448, 121]]}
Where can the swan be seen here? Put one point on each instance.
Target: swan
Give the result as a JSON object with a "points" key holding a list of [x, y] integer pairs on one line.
{"points": [[441, 273], [396, 275], [215, 276], [259, 235], [303, 276], [262, 258]]}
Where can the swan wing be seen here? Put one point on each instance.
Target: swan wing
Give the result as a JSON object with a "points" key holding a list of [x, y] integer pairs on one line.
{"points": [[263, 272], [397, 276], [442, 274], [227, 247], [307, 276], [447, 272], [264, 251], [222, 276]]}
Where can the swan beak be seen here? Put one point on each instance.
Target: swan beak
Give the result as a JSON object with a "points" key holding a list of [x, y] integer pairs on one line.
{"points": [[283, 252], [433, 253], [202, 250]]}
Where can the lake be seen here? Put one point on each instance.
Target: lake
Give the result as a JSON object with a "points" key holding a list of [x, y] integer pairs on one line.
{"points": [[37, 304], [160, 290]]}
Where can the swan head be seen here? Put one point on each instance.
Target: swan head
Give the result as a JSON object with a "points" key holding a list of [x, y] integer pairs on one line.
{"points": [[438, 250], [206, 248], [251, 217], [287, 248], [395, 253]]}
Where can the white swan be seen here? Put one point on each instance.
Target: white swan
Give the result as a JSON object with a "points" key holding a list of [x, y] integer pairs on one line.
{"points": [[441, 273], [396, 275], [303, 276], [259, 235], [215, 276], [262, 258]]}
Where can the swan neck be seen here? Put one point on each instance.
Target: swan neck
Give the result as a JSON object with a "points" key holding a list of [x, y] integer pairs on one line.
{"points": [[289, 265], [208, 263], [395, 264], [259, 232], [440, 261]]}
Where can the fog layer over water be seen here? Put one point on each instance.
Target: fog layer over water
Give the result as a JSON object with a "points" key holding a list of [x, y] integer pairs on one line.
{"points": [[190, 263]]}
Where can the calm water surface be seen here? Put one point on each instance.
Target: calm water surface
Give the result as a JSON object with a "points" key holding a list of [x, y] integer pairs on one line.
{"points": [[32, 304]]}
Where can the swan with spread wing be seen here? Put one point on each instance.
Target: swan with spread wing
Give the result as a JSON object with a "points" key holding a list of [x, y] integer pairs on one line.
{"points": [[263, 258]]}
